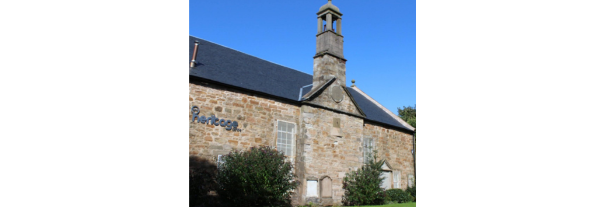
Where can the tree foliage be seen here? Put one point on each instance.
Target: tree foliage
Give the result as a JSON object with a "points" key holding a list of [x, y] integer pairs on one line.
{"points": [[257, 177], [362, 186], [408, 114], [400, 196]]}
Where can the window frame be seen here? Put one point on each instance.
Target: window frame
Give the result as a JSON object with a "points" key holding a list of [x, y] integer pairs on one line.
{"points": [[410, 180], [293, 147], [366, 159], [396, 179]]}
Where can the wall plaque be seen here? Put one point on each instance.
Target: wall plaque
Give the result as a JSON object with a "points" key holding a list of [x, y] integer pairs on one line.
{"points": [[336, 93]]}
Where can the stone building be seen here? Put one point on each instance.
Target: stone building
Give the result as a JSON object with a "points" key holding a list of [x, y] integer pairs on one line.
{"points": [[325, 128]]}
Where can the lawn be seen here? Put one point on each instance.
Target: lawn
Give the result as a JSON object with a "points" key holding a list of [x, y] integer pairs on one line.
{"points": [[411, 204]]}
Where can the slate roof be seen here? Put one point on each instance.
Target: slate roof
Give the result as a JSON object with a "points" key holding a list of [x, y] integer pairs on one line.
{"points": [[231, 67], [372, 111]]}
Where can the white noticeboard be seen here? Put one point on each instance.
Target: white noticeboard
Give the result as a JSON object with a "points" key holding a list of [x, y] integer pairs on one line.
{"points": [[312, 188]]}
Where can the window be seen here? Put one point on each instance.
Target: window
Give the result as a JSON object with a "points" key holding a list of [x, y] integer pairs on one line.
{"points": [[410, 181], [368, 146], [285, 138], [396, 179]]}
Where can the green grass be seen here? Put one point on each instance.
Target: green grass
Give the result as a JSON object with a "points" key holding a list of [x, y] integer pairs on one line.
{"points": [[411, 204]]}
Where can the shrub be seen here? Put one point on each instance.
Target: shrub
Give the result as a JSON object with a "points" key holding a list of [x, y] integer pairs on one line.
{"points": [[257, 177], [396, 195], [399, 196], [362, 186], [412, 192]]}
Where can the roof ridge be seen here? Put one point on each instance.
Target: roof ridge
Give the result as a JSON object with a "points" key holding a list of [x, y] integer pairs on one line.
{"points": [[251, 55], [384, 108]]}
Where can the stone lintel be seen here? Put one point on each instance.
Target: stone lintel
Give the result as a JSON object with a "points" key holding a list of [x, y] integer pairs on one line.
{"points": [[312, 178]]}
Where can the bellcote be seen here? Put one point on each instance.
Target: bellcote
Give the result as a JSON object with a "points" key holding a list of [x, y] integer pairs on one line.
{"points": [[329, 13], [329, 61], [329, 39]]}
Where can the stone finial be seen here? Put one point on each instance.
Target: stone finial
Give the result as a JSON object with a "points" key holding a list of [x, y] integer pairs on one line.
{"points": [[353, 83]]}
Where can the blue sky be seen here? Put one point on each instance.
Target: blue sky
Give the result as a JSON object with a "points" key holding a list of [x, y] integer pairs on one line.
{"points": [[379, 39]]}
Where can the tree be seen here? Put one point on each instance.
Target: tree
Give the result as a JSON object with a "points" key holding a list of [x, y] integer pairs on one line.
{"points": [[362, 186], [408, 114]]}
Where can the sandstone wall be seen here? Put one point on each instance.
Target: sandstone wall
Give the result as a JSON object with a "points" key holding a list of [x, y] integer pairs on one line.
{"points": [[323, 148], [394, 146], [328, 150], [257, 118], [325, 66]]}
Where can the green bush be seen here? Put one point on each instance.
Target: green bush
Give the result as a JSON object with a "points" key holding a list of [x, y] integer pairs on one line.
{"points": [[362, 186], [412, 192], [257, 177], [399, 196], [396, 195]]}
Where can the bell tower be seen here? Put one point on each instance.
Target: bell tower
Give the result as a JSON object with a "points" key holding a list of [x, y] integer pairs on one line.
{"points": [[329, 60]]}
